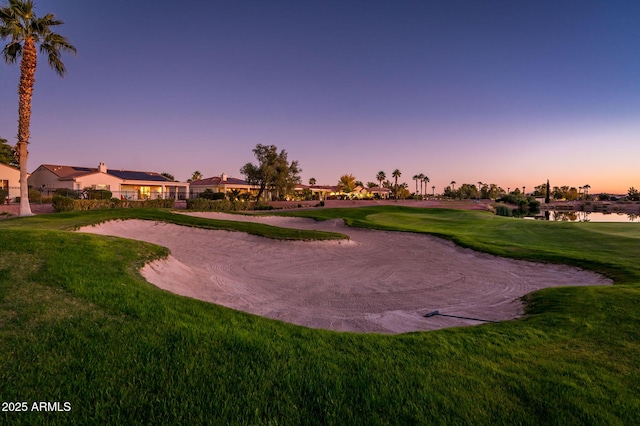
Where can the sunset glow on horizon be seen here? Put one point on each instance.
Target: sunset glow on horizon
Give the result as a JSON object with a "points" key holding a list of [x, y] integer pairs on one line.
{"points": [[511, 93]]}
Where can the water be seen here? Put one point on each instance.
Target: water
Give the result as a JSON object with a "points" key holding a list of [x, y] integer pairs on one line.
{"points": [[580, 216]]}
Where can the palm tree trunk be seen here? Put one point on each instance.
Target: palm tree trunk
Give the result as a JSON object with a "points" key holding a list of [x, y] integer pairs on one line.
{"points": [[25, 92]]}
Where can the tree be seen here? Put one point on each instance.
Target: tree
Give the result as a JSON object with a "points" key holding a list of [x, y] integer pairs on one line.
{"points": [[426, 180], [633, 194], [312, 181], [19, 23], [586, 188], [421, 177], [547, 193], [380, 177], [453, 185], [7, 154], [347, 183], [416, 177], [195, 176], [168, 176], [273, 173], [396, 174]]}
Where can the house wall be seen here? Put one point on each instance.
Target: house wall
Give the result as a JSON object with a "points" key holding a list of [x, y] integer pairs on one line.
{"points": [[98, 181], [11, 178], [43, 178]]}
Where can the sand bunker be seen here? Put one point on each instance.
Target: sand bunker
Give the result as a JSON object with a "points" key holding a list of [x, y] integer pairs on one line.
{"points": [[376, 282]]}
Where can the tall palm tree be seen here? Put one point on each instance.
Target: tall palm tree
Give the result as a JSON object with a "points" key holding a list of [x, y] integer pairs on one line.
{"points": [[396, 174], [380, 177], [433, 188], [421, 177], [453, 185], [426, 180], [416, 177], [585, 190], [19, 23]]}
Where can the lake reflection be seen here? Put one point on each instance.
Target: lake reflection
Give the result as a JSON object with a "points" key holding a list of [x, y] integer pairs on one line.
{"points": [[580, 216]]}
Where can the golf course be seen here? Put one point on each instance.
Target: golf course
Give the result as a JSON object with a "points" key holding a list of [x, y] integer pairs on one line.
{"points": [[80, 326]]}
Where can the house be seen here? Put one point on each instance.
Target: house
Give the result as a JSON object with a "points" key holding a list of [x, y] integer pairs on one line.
{"points": [[319, 192], [124, 184], [10, 181], [222, 183]]}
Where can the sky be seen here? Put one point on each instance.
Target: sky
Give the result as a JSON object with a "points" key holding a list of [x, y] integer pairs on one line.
{"points": [[505, 92]]}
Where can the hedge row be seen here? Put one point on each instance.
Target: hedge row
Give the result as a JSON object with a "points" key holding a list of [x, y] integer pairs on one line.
{"points": [[202, 204], [66, 204]]}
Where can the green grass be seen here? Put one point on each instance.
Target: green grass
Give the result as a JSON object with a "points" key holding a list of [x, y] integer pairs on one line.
{"points": [[79, 324]]}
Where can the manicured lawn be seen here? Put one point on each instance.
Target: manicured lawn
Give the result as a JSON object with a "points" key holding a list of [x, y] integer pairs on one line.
{"points": [[78, 324]]}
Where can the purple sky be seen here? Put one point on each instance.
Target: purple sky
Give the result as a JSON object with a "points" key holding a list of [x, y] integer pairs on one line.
{"points": [[506, 92]]}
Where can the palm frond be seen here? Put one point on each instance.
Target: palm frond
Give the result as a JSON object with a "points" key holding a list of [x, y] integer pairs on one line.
{"points": [[12, 52], [56, 64]]}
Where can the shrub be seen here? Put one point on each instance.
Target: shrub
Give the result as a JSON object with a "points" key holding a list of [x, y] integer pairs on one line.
{"points": [[69, 193], [35, 196], [202, 204], [62, 203], [66, 204], [99, 194], [259, 206], [208, 194], [504, 211]]}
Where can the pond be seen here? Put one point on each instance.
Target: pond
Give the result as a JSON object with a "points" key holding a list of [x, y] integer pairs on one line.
{"points": [[580, 216]]}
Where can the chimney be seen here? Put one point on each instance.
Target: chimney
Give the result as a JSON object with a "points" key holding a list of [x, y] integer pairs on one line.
{"points": [[102, 168], [224, 176]]}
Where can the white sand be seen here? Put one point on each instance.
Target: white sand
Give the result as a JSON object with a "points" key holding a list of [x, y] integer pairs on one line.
{"points": [[375, 282]]}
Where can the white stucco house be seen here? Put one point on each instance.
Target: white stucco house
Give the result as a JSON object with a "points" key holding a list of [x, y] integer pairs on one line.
{"points": [[124, 184], [10, 181]]}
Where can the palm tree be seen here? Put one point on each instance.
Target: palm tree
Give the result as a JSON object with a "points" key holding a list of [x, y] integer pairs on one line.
{"points": [[195, 176], [416, 177], [433, 188], [421, 177], [585, 191], [380, 177], [453, 185], [426, 180], [312, 181], [479, 188], [396, 174], [19, 24]]}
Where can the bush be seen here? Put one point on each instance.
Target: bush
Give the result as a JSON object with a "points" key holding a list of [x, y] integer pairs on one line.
{"points": [[504, 211], [69, 193], [99, 194], [35, 196], [208, 194], [203, 204], [62, 203], [66, 204]]}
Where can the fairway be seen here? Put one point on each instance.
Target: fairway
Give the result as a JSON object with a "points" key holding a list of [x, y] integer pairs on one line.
{"points": [[80, 325]]}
